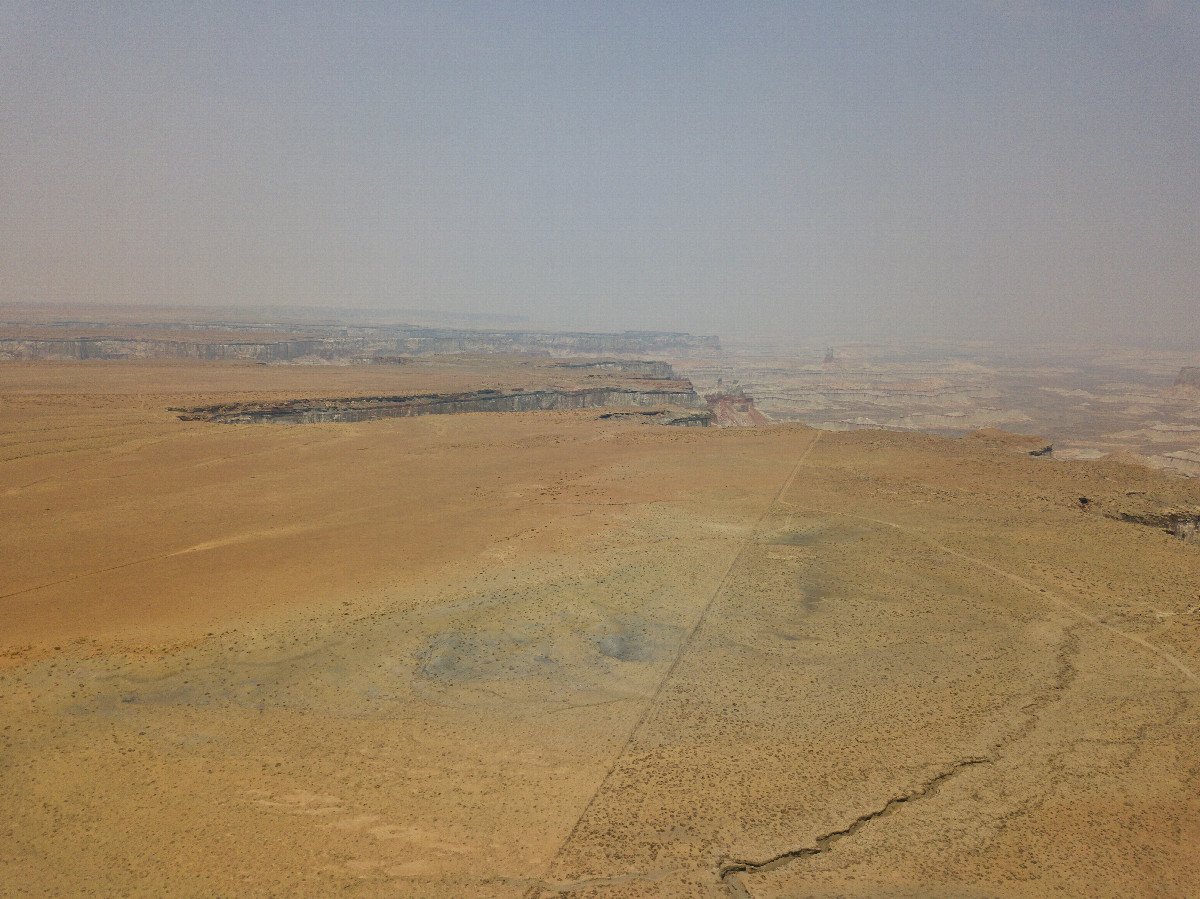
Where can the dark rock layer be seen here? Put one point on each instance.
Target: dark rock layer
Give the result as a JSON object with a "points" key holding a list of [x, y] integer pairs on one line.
{"points": [[352, 409]]}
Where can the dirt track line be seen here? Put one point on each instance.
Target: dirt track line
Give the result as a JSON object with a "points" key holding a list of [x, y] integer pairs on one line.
{"points": [[1028, 585], [679, 654], [82, 575], [187, 550]]}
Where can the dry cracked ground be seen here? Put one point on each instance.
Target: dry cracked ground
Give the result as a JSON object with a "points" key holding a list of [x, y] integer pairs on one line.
{"points": [[544, 654]]}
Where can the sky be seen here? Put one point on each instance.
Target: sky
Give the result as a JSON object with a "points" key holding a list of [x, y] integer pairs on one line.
{"points": [[976, 169]]}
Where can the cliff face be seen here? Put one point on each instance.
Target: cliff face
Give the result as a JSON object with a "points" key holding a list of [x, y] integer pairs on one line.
{"points": [[352, 409], [422, 341], [1151, 510], [1180, 522], [388, 342], [650, 370], [39, 349], [680, 418]]}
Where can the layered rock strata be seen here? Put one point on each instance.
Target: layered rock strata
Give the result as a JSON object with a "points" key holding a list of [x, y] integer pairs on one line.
{"points": [[80, 348], [370, 342], [642, 368], [676, 417]]}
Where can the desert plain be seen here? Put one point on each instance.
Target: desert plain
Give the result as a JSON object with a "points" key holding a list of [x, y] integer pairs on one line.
{"points": [[554, 653]]}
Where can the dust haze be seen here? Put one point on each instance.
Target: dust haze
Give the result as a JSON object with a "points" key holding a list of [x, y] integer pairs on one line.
{"points": [[303, 607], [998, 171], [608, 450]]}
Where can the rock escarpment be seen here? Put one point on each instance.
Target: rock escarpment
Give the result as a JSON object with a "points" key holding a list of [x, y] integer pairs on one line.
{"points": [[1184, 461], [80, 348], [359, 343], [1180, 522], [1149, 509], [677, 394], [682, 418], [648, 369]]}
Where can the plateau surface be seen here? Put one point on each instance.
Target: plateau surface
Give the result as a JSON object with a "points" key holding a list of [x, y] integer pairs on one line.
{"points": [[565, 653]]}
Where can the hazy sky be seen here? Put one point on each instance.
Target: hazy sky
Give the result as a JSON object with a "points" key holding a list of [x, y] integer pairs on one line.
{"points": [[965, 169]]}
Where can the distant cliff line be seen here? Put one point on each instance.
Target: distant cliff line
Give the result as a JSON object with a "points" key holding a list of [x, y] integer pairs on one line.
{"points": [[391, 341]]}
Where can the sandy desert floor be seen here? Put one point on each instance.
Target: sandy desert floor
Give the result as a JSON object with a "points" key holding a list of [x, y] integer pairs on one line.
{"points": [[545, 654]]}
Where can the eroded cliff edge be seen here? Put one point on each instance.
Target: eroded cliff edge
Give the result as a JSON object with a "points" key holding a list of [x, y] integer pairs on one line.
{"points": [[676, 394]]}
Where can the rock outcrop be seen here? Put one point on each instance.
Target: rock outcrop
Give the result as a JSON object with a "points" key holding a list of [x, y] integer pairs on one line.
{"points": [[445, 340], [1179, 522], [734, 410]]}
